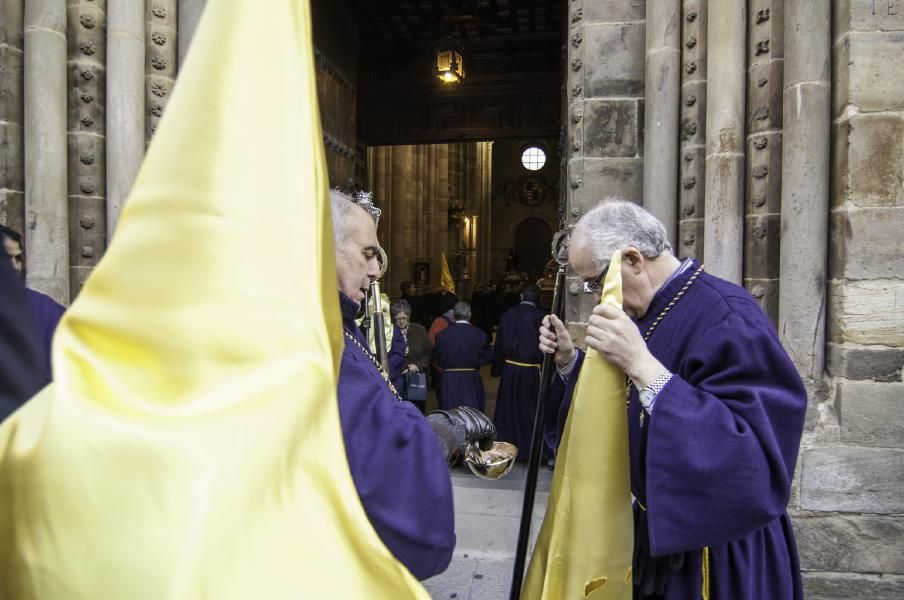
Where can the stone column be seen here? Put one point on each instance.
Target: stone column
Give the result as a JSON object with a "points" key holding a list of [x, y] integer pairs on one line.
{"points": [[805, 190], [189, 16], [46, 211], [12, 170], [765, 42], [87, 171], [160, 59], [693, 131], [604, 92], [125, 101], [724, 233], [662, 91]]}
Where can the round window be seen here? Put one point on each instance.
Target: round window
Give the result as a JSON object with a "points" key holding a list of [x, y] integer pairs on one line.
{"points": [[533, 158]]}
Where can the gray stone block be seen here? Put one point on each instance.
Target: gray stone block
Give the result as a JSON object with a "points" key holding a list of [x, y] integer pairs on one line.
{"points": [[878, 15], [875, 77], [767, 23], [866, 312], [614, 60], [11, 79], [87, 98], [614, 11], [764, 97], [850, 543], [87, 165], [762, 239], [690, 238], [865, 362], [12, 174], [875, 161], [161, 58], [845, 586], [851, 479], [85, 34], [11, 32], [765, 291], [610, 128], [870, 413], [692, 129], [12, 209], [764, 173], [868, 243], [612, 177], [87, 230]]}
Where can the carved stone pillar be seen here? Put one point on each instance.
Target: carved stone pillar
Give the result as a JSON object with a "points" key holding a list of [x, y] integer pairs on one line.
{"points": [[693, 130], [724, 233], [805, 191], [125, 101], [12, 170], [662, 90], [604, 91], [87, 142], [765, 52], [161, 17], [189, 16], [46, 210]]}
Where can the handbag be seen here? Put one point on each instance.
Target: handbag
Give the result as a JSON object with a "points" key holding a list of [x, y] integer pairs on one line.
{"points": [[415, 386]]}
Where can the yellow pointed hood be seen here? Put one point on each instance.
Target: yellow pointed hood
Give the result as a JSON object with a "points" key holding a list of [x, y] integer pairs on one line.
{"points": [[190, 445]]}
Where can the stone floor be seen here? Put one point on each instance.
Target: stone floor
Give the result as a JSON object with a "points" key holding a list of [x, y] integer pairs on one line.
{"points": [[487, 517]]}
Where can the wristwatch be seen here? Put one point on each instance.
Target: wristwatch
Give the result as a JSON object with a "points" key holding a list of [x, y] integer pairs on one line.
{"points": [[648, 393]]}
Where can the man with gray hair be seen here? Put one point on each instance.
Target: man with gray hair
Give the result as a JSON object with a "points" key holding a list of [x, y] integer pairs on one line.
{"points": [[715, 413], [461, 349], [398, 459]]}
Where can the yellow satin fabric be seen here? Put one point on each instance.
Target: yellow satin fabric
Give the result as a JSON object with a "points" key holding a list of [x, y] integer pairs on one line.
{"points": [[585, 545], [445, 278], [190, 447]]}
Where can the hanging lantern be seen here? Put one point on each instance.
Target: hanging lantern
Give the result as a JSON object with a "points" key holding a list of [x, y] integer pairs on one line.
{"points": [[449, 64]]}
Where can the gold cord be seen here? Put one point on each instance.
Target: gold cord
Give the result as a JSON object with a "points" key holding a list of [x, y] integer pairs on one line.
{"points": [[375, 362], [706, 587]]}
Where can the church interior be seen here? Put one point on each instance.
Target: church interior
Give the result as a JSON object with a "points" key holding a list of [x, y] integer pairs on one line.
{"points": [[449, 113]]}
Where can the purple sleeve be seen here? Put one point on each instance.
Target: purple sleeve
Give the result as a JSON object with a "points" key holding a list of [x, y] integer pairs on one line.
{"points": [[20, 359], [723, 440], [486, 353], [398, 469]]}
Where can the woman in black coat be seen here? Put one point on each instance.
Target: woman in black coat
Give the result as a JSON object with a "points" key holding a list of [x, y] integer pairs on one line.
{"points": [[417, 344]]}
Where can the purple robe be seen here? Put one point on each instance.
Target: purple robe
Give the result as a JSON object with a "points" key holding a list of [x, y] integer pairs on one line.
{"points": [[516, 402], [396, 356], [46, 314], [712, 466], [461, 349], [20, 358], [396, 461]]}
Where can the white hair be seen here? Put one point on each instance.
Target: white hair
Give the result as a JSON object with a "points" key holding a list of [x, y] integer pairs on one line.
{"points": [[342, 206], [616, 224], [461, 311]]}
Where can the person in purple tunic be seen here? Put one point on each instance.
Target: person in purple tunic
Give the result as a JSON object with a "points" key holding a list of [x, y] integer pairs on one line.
{"points": [[45, 311], [517, 352], [397, 457], [20, 360], [461, 349], [715, 416]]}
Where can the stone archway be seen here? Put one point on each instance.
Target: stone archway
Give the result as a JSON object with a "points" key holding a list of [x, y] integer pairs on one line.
{"points": [[533, 237]]}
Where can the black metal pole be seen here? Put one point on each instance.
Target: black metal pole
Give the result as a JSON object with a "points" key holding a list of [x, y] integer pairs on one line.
{"points": [[536, 449]]}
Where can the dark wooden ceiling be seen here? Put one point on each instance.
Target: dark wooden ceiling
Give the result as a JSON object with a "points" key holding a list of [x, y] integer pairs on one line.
{"points": [[513, 61], [391, 22]]}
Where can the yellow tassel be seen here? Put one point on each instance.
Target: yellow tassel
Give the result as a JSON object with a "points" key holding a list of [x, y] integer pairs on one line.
{"points": [[706, 574]]}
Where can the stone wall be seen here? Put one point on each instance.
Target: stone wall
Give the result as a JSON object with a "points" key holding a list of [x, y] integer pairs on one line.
{"points": [[12, 169], [847, 499], [852, 468]]}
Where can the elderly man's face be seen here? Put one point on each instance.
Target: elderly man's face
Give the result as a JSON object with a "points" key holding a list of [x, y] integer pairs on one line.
{"points": [[14, 250], [636, 292], [356, 257]]}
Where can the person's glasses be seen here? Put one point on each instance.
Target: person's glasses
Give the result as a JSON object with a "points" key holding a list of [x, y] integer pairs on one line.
{"points": [[593, 286]]}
